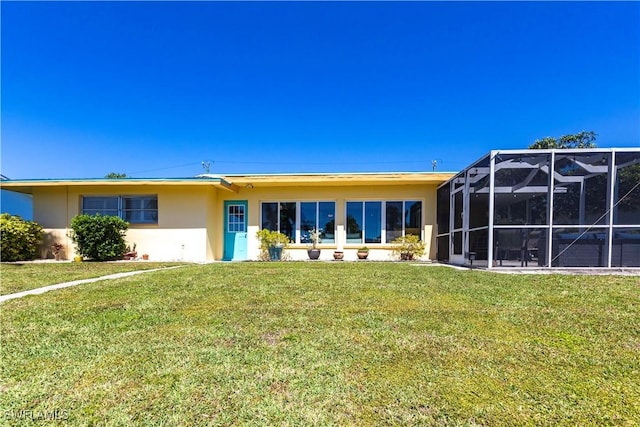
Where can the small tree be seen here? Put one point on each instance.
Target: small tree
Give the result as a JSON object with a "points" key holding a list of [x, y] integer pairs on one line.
{"points": [[19, 238], [584, 139], [408, 247], [99, 238]]}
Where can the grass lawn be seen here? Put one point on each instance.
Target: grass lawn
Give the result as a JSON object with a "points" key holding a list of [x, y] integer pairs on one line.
{"points": [[325, 344], [17, 277]]}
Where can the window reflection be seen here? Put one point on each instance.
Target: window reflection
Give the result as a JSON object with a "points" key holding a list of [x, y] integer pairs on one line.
{"points": [[373, 222], [281, 216], [354, 222], [327, 221], [394, 220], [270, 216]]}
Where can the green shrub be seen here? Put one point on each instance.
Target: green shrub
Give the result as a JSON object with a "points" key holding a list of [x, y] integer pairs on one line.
{"points": [[19, 238], [99, 238], [408, 247], [269, 240]]}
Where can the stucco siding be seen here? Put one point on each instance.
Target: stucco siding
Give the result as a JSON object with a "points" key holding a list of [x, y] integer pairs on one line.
{"points": [[170, 244], [181, 232], [213, 232], [340, 195], [50, 207], [191, 217]]}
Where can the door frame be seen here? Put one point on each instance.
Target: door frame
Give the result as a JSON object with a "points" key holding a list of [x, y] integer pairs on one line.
{"points": [[226, 233]]}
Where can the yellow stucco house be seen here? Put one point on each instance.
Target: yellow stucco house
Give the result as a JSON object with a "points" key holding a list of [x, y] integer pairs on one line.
{"points": [[209, 217]]}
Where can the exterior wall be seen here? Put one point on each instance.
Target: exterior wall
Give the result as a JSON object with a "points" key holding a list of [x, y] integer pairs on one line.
{"points": [[213, 231], [51, 210], [190, 218], [339, 194], [181, 232]]}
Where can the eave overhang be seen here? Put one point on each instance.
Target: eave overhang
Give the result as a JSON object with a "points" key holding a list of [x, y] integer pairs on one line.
{"points": [[233, 183], [28, 185], [361, 179]]}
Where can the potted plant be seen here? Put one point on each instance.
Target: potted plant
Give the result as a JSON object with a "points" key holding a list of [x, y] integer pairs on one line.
{"points": [[313, 251], [130, 253], [338, 255], [145, 257], [272, 244], [363, 252], [56, 249], [408, 247]]}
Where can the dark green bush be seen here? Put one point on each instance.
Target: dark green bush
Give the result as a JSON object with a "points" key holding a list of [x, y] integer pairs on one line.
{"points": [[19, 238], [99, 238]]}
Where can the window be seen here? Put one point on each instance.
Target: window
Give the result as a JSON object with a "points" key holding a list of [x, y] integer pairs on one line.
{"points": [[100, 205], [373, 222], [133, 209], [365, 220], [318, 215], [235, 219], [394, 220], [140, 209], [270, 216], [297, 219]]}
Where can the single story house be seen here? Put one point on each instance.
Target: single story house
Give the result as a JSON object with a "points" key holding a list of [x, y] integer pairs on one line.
{"points": [[209, 217], [519, 208]]}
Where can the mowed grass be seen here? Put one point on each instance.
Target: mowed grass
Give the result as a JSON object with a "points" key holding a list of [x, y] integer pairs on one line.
{"points": [[17, 277], [325, 344]]}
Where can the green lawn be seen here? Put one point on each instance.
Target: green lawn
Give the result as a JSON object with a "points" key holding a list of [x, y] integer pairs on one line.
{"points": [[17, 277], [326, 344]]}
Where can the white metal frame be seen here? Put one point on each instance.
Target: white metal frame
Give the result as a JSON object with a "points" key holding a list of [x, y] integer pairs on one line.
{"points": [[611, 169]]}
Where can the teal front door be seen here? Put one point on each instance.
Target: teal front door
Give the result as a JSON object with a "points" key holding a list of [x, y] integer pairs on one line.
{"points": [[235, 230]]}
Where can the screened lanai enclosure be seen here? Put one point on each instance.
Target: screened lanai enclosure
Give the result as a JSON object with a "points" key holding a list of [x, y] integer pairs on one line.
{"points": [[543, 208]]}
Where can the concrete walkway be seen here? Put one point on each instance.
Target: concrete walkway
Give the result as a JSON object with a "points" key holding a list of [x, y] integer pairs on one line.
{"points": [[44, 289]]}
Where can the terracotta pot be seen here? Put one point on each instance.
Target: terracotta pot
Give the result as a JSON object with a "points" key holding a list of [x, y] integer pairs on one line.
{"points": [[363, 254], [338, 255]]}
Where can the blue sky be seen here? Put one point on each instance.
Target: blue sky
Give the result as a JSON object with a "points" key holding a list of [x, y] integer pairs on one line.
{"points": [[152, 89]]}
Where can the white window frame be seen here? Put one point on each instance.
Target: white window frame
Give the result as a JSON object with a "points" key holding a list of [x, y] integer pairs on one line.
{"points": [[383, 219], [298, 215], [235, 221]]}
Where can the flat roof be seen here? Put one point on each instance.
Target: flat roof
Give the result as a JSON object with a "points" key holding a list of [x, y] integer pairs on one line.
{"points": [[336, 179], [27, 185], [232, 182]]}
